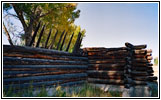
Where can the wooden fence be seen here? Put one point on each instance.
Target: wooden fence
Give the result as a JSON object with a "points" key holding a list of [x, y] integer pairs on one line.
{"points": [[61, 41], [23, 66], [126, 66]]}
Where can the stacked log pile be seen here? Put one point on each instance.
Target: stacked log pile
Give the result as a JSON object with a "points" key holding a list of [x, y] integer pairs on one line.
{"points": [[126, 66], [26, 66]]}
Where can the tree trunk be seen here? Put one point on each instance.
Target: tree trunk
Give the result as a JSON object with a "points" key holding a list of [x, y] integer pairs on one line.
{"points": [[29, 32], [27, 28]]}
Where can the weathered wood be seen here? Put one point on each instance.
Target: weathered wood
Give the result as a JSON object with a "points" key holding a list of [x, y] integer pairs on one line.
{"points": [[108, 73], [139, 73], [41, 33], [93, 49], [56, 77], [107, 61], [135, 46], [30, 61], [145, 78], [79, 44], [141, 68], [105, 81], [47, 66], [149, 57], [107, 57], [60, 40], [13, 74], [142, 51], [53, 41], [34, 35], [142, 64], [46, 43], [76, 43], [106, 53], [31, 50], [69, 42], [61, 47], [105, 76], [42, 56], [116, 65]]}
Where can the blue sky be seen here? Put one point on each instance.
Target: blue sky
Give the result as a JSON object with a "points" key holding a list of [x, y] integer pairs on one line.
{"points": [[113, 24]]}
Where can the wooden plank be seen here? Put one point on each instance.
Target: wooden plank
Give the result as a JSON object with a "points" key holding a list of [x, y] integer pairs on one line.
{"points": [[42, 56], [53, 41], [60, 40], [56, 77], [108, 52], [31, 50], [76, 43], [135, 46], [34, 35], [93, 49], [107, 73], [149, 57], [142, 51], [105, 76], [46, 43], [105, 81], [69, 42], [112, 61], [61, 47], [13, 74], [144, 78], [30, 61], [140, 73], [41, 33], [107, 65], [47, 66], [141, 68], [106, 57], [142, 64]]}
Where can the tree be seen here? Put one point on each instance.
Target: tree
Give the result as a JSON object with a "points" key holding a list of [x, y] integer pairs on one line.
{"points": [[156, 61], [58, 16]]}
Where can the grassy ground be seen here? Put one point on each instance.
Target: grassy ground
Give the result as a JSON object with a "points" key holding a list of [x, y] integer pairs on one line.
{"points": [[77, 91], [85, 90]]}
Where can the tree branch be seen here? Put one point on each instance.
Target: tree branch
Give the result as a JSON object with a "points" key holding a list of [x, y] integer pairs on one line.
{"points": [[20, 16], [7, 33]]}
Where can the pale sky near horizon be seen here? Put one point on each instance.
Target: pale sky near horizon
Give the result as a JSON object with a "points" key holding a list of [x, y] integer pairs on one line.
{"points": [[113, 24]]}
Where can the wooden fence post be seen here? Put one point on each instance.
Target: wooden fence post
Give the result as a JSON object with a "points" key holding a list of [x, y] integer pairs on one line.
{"points": [[63, 41], [60, 40], [41, 33], [34, 35], [128, 67], [77, 43], [52, 43], [46, 43], [69, 42]]}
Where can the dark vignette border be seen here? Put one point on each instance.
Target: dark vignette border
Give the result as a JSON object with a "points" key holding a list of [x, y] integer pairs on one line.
{"points": [[82, 97]]}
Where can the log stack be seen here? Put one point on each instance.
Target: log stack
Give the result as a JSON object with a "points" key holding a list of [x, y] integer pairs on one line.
{"points": [[26, 66], [126, 66]]}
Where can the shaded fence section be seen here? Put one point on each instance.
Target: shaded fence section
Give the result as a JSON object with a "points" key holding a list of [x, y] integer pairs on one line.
{"points": [[61, 40], [25, 66], [126, 66]]}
